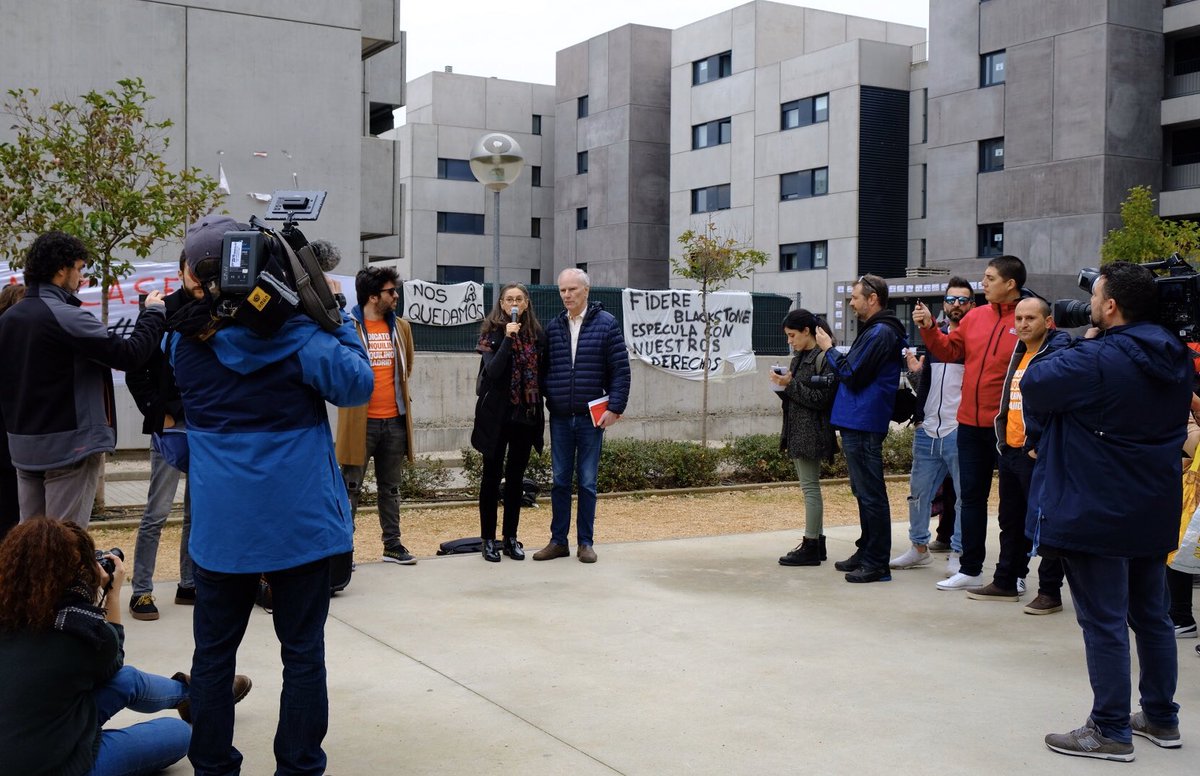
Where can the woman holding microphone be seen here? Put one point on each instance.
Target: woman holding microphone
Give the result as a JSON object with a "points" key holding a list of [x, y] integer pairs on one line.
{"points": [[509, 414]]}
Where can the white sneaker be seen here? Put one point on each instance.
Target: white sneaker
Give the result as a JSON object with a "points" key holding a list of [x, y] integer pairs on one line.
{"points": [[953, 563], [961, 581], [911, 559], [1020, 587]]}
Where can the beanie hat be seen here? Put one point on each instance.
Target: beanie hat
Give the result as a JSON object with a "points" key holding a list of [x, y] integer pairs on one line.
{"points": [[202, 246]]}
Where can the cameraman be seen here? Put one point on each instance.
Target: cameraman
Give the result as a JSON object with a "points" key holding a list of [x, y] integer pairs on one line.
{"points": [[1105, 496], [266, 497]]}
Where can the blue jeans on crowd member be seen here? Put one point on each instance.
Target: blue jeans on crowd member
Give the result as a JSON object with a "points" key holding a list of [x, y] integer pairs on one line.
{"points": [[223, 604], [164, 481], [933, 458], [387, 443], [1112, 596], [574, 452], [147, 747], [864, 458], [976, 461]]}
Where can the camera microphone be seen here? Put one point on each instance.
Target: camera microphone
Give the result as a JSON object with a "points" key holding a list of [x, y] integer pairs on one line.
{"points": [[326, 253], [515, 314]]}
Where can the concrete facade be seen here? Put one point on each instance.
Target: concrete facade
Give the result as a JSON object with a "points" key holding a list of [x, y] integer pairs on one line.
{"points": [[623, 75], [216, 69], [447, 114], [780, 54], [1077, 111]]}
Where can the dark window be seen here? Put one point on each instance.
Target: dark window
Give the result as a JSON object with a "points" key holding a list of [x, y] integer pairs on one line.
{"points": [[581, 220], [806, 255], [537, 124], [712, 133], [460, 223], [924, 190], [535, 277], [535, 175], [457, 274], [581, 107], [381, 118], [805, 183], [991, 155], [1186, 56], [455, 170], [1185, 146], [535, 227], [991, 67], [712, 68], [581, 162], [710, 198], [924, 115], [801, 113], [991, 240], [582, 265]]}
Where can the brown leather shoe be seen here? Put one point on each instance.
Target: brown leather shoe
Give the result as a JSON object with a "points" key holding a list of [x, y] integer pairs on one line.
{"points": [[241, 688], [552, 551], [586, 554]]}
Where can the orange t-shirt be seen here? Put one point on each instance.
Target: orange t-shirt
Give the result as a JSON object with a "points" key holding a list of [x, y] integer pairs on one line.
{"points": [[383, 363], [1014, 431]]}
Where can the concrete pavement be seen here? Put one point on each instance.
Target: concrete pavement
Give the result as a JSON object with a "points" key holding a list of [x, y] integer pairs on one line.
{"points": [[697, 656]]}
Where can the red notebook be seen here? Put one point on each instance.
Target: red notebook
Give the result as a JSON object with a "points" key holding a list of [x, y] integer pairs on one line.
{"points": [[598, 407]]}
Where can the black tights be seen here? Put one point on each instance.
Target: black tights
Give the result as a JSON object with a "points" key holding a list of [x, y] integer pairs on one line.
{"points": [[518, 439]]}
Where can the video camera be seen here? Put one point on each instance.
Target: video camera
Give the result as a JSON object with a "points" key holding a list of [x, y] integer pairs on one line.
{"points": [[1178, 299], [266, 276]]}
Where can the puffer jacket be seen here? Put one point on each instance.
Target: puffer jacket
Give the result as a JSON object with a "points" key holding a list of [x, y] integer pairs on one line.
{"points": [[984, 341], [868, 375], [1055, 340], [807, 432], [601, 364]]}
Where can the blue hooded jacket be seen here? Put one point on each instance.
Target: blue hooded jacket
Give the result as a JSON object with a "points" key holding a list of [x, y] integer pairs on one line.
{"points": [[1108, 475], [266, 490], [868, 375]]}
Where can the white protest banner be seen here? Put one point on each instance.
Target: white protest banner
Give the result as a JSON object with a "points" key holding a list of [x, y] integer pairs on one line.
{"points": [[666, 329], [437, 305]]}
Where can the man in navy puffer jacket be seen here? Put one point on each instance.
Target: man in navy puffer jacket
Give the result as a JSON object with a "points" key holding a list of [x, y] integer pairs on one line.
{"points": [[588, 360]]}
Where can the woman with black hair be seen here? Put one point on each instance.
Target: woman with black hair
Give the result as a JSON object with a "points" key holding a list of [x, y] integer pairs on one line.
{"points": [[807, 435], [509, 415]]}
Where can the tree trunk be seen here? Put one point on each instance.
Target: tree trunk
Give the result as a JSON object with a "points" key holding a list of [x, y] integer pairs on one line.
{"points": [[99, 503], [707, 343]]}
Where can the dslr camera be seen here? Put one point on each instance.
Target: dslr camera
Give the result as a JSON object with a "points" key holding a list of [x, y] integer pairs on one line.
{"points": [[1178, 299], [107, 564], [267, 276]]}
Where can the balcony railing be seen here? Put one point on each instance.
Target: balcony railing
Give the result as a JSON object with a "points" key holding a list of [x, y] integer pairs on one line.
{"points": [[1181, 176], [920, 53], [1181, 85]]}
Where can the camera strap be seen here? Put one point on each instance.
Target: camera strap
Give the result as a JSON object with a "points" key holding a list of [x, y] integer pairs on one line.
{"points": [[316, 299]]}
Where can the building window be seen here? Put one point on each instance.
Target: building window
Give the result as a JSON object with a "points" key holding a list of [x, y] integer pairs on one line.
{"points": [[710, 198], [712, 68], [712, 133], [460, 223], [455, 170], [991, 67], [581, 107], [801, 113], [924, 115], [535, 277], [447, 274], [991, 240], [800, 256], [535, 176], [924, 193], [991, 155], [535, 227], [581, 163], [581, 218], [803, 184], [581, 266], [537, 124]]}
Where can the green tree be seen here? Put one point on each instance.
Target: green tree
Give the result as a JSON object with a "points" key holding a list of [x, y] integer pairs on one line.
{"points": [[712, 260], [1144, 236], [94, 168]]}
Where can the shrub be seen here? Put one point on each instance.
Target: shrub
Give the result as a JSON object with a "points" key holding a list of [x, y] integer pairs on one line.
{"points": [[539, 469], [757, 458], [630, 464], [424, 480]]}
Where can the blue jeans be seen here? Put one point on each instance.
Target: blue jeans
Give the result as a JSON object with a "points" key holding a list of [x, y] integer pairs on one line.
{"points": [[164, 480], [223, 606], [147, 747], [932, 459], [387, 443], [864, 458], [976, 461], [574, 452], [1112, 596]]}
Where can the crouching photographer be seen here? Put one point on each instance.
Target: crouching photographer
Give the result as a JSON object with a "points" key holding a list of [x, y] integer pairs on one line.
{"points": [[62, 665], [267, 496]]}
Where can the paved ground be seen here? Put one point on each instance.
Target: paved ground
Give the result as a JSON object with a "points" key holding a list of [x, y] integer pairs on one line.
{"points": [[671, 657]]}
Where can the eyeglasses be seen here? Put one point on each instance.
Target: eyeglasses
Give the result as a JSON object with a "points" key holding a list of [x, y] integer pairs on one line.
{"points": [[512, 299], [959, 299], [393, 291]]}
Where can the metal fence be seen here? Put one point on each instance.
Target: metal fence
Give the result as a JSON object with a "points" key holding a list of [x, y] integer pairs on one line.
{"points": [[767, 334]]}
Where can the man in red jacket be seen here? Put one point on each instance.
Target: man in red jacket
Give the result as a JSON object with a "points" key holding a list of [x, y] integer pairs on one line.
{"points": [[984, 341]]}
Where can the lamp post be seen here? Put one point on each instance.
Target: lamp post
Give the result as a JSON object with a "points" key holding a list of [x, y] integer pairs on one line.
{"points": [[496, 161]]}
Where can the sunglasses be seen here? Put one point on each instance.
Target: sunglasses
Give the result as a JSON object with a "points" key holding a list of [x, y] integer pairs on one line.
{"points": [[392, 291], [870, 286], [958, 299]]}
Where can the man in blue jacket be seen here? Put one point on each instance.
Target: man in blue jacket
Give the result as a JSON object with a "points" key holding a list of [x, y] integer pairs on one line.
{"points": [[266, 497], [588, 360], [868, 376], [1105, 497]]}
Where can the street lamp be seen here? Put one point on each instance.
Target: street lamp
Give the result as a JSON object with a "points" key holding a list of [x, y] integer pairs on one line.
{"points": [[496, 161]]}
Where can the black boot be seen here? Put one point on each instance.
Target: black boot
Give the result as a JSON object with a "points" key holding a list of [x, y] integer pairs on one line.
{"points": [[512, 548], [490, 551], [821, 542], [808, 553]]}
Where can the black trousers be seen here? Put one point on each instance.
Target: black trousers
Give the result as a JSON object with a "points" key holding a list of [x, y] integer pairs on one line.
{"points": [[518, 439], [1179, 585], [1016, 471]]}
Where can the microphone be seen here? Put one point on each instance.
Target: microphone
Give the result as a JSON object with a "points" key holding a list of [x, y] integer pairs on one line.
{"points": [[515, 313], [326, 254]]}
